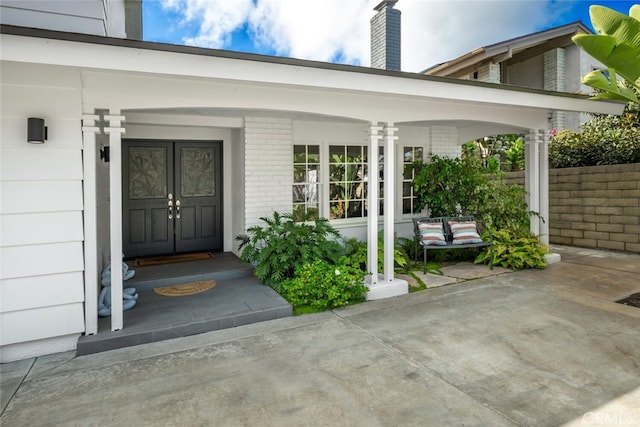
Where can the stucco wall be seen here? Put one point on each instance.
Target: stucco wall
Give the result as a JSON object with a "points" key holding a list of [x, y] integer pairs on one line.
{"points": [[594, 207]]}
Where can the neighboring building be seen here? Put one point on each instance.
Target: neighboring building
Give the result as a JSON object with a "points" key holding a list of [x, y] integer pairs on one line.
{"points": [[111, 18], [278, 131], [546, 60]]}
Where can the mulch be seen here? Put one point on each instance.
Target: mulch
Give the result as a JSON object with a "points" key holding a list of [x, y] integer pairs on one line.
{"points": [[632, 300]]}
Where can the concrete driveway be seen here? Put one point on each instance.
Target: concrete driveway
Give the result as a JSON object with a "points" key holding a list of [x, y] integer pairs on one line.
{"points": [[546, 347]]}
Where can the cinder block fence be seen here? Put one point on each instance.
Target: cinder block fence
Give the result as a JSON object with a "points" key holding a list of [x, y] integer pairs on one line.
{"points": [[594, 206]]}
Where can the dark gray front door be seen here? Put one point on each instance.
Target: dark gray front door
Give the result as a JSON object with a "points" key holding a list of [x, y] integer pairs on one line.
{"points": [[172, 197]]}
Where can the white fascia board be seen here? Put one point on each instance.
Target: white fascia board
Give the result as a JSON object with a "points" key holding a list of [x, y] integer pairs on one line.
{"points": [[126, 59]]}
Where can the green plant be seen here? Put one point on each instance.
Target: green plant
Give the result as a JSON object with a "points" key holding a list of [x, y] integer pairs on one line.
{"points": [[356, 252], [514, 156], [283, 244], [498, 205], [446, 185], [603, 140], [515, 250], [321, 285], [616, 45]]}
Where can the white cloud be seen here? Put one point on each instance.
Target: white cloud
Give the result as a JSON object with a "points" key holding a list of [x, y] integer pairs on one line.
{"points": [[216, 19], [433, 31]]}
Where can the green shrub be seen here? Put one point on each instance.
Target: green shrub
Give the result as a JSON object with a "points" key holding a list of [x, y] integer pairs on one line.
{"points": [[323, 286], [497, 206], [283, 245], [446, 185], [514, 250], [604, 140], [356, 252]]}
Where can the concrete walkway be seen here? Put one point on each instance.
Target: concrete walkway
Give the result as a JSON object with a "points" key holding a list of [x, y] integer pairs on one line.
{"points": [[545, 347]]}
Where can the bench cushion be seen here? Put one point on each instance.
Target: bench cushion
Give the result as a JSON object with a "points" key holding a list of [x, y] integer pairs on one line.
{"points": [[431, 233], [464, 232]]}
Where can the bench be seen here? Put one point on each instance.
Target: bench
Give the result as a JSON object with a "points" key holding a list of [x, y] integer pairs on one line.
{"points": [[436, 233]]}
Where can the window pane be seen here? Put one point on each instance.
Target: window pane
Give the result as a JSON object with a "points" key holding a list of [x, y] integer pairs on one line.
{"points": [[298, 193], [408, 172], [354, 154], [406, 189], [406, 206], [299, 154], [336, 173], [336, 210], [313, 154], [336, 154], [299, 173]]}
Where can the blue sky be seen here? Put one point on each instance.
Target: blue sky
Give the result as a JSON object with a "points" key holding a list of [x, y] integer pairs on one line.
{"points": [[433, 31]]}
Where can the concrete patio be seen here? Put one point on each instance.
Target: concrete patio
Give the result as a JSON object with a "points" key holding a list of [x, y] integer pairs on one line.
{"points": [[541, 347]]}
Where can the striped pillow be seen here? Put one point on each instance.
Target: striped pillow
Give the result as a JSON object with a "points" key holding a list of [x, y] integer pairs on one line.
{"points": [[464, 232], [431, 233]]}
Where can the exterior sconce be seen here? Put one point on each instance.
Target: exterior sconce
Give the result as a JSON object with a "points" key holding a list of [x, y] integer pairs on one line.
{"points": [[104, 154], [36, 131]]}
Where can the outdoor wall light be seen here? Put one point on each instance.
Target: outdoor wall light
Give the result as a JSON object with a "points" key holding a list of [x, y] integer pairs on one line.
{"points": [[36, 131], [104, 154]]}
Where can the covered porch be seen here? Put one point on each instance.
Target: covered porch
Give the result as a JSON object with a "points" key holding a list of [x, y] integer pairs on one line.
{"points": [[259, 108]]}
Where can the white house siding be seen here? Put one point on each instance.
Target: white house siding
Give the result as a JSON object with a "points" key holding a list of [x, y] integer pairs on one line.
{"points": [[99, 17], [41, 227], [268, 171]]}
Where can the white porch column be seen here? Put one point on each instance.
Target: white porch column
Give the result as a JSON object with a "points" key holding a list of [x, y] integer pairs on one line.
{"points": [[89, 131], [544, 187], [115, 131], [532, 178], [389, 198], [372, 202], [389, 286]]}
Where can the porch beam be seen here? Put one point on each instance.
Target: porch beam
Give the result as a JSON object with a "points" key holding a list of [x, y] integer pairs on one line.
{"points": [[115, 131], [89, 131]]}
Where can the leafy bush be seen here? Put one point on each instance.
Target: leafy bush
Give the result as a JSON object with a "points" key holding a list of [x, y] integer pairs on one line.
{"points": [[446, 185], [451, 187], [356, 252], [497, 205], [283, 245], [323, 285], [515, 250], [604, 140]]}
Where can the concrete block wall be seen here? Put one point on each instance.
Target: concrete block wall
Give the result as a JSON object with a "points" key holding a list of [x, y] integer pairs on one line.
{"points": [[267, 162], [594, 207]]}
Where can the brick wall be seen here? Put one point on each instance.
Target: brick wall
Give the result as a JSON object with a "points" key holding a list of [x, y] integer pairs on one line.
{"points": [[268, 171], [594, 207]]}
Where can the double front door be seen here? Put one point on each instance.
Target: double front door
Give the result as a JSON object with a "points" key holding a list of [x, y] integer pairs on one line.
{"points": [[172, 197]]}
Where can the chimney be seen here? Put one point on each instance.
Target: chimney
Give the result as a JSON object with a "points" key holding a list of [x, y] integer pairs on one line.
{"points": [[385, 36]]}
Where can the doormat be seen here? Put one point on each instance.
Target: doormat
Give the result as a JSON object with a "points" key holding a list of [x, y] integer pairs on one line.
{"points": [[185, 289], [170, 259]]}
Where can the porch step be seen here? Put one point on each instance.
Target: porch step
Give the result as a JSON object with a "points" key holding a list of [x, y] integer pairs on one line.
{"points": [[232, 302]]}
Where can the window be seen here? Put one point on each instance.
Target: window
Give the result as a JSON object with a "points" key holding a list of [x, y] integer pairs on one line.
{"points": [[332, 181], [410, 155], [306, 181], [347, 184]]}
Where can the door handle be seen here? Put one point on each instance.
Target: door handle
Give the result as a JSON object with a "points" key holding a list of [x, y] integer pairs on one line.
{"points": [[170, 205], [177, 209]]}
